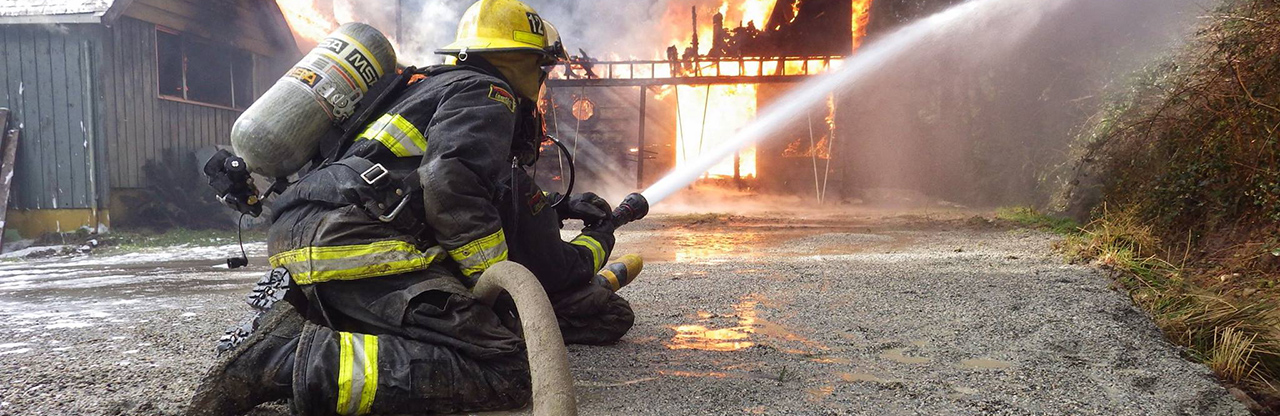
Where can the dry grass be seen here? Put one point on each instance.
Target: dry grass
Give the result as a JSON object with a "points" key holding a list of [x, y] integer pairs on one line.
{"points": [[1232, 354], [1238, 339]]}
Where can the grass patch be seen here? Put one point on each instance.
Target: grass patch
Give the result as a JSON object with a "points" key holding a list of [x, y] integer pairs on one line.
{"points": [[1033, 218], [132, 241]]}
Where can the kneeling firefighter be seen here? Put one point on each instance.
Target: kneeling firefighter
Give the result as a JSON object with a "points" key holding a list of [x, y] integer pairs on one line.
{"points": [[380, 245]]}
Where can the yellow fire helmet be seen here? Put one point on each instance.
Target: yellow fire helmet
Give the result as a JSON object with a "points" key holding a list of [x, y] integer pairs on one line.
{"points": [[505, 26]]}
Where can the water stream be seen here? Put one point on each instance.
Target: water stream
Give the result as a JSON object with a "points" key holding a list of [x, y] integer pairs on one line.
{"points": [[1005, 20]]}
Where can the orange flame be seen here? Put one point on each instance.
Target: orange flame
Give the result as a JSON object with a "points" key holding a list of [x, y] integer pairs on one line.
{"points": [[311, 23], [308, 24], [861, 16]]}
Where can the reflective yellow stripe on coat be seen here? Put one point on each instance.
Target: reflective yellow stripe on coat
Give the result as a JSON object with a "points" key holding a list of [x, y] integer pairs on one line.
{"points": [[597, 250], [309, 265], [357, 373], [397, 134], [478, 255]]}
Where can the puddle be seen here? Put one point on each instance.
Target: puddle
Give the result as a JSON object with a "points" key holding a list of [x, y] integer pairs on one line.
{"points": [[712, 247], [698, 337], [720, 245], [820, 393], [696, 374], [739, 337], [984, 364], [897, 355]]}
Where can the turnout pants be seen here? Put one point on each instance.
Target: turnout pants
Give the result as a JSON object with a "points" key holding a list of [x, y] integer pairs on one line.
{"points": [[419, 343]]}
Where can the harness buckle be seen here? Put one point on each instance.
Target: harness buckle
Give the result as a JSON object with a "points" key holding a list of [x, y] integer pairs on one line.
{"points": [[404, 202], [374, 174]]}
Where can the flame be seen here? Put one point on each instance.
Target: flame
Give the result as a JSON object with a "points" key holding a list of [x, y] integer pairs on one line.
{"points": [[308, 24], [753, 11], [805, 146], [861, 16], [311, 23], [727, 109]]}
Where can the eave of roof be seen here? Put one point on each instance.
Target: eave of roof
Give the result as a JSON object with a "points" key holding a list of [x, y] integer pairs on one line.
{"points": [[60, 11]]}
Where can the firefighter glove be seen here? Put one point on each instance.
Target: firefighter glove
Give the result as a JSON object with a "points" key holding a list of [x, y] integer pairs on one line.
{"points": [[588, 207]]}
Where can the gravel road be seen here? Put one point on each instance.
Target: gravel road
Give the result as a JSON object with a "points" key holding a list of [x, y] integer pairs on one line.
{"points": [[769, 314]]}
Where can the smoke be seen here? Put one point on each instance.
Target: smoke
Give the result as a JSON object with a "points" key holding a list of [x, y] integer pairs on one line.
{"points": [[428, 25], [985, 111], [624, 28], [420, 27]]}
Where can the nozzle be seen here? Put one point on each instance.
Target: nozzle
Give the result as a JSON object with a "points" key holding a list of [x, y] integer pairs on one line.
{"points": [[633, 208]]}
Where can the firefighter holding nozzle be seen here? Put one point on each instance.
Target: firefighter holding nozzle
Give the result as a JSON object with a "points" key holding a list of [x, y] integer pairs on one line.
{"points": [[379, 247]]}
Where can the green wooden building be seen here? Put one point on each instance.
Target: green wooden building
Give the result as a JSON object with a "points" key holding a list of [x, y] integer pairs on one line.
{"points": [[102, 87]]}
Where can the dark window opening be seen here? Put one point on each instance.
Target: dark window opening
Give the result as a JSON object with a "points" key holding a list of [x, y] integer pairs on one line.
{"points": [[201, 72], [169, 60]]}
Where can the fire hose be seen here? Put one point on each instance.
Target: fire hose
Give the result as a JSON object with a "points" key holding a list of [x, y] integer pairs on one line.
{"points": [[548, 357]]}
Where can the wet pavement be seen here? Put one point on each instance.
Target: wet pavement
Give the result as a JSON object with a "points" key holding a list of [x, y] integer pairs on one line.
{"points": [[836, 313]]}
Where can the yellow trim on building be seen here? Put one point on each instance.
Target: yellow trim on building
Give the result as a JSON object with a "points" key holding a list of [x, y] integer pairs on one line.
{"points": [[36, 222]]}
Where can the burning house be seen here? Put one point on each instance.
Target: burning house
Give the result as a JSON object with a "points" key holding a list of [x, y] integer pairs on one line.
{"points": [[722, 66], [104, 88]]}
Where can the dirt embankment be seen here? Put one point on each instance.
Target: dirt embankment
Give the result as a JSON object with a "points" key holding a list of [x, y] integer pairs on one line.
{"points": [[1177, 180]]}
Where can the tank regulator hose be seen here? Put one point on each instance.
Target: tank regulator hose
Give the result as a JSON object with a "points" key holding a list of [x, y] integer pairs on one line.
{"points": [[573, 173]]}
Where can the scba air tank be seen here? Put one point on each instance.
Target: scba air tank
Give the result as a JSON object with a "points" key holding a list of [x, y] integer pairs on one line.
{"points": [[282, 131]]}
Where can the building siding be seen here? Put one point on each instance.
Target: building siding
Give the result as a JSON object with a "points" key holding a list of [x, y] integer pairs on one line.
{"points": [[141, 126], [43, 79], [65, 102]]}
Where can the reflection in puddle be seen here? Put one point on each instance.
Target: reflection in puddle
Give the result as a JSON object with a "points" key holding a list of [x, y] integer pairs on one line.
{"points": [[820, 393], [712, 247], [984, 364], [896, 355], [708, 374], [700, 337]]}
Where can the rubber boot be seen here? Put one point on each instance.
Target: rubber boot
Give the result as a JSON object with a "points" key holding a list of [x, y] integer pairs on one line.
{"points": [[619, 274], [258, 370]]}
